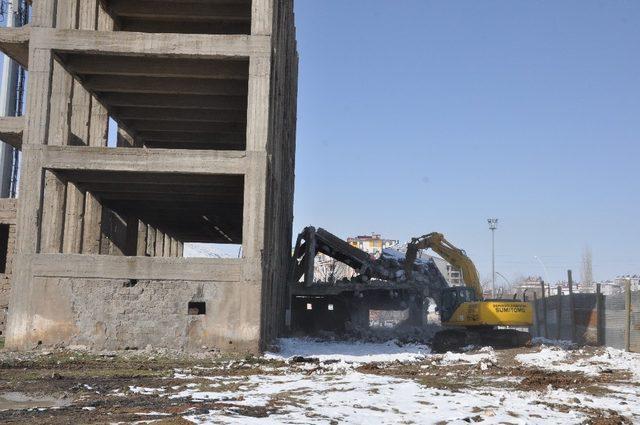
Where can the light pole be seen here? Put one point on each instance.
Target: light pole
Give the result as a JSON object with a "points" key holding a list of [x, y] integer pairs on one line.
{"points": [[493, 225], [546, 273]]}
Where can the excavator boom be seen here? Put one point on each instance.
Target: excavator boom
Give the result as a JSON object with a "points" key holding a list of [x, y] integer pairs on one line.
{"points": [[454, 256]]}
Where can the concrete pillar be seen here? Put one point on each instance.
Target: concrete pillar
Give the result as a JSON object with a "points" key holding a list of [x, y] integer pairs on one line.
{"points": [[55, 191], [43, 13], [166, 249], [73, 220], [20, 326], [53, 208], [174, 247], [151, 241], [159, 243], [91, 226], [141, 246], [131, 245]]}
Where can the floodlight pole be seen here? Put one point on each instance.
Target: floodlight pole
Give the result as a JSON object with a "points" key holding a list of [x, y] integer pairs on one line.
{"points": [[493, 225]]}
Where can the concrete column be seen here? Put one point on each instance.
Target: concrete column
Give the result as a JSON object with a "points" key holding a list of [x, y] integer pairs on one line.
{"points": [[261, 17], [141, 246], [55, 191], [255, 177], [43, 13], [131, 245], [53, 208], [73, 220], [105, 22], [174, 247], [166, 249], [98, 124], [92, 222], [151, 241], [20, 327], [159, 243]]}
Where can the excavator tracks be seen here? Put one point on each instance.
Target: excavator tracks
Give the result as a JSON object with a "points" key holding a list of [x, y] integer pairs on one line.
{"points": [[458, 339]]}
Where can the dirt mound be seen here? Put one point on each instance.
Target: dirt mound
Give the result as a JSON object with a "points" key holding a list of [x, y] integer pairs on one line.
{"points": [[607, 417], [540, 380]]}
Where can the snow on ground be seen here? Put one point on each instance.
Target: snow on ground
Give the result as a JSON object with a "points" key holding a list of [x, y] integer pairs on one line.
{"points": [[314, 394], [349, 351], [358, 398], [558, 359]]}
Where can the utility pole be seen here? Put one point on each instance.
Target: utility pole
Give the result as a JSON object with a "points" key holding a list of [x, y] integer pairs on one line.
{"points": [[493, 225]]}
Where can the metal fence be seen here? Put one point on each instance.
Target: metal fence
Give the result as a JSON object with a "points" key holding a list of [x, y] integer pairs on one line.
{"points": [[591, 319]]}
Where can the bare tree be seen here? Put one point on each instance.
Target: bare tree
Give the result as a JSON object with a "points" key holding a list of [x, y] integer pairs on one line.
{"points": [[587, 269], [330, 270]]}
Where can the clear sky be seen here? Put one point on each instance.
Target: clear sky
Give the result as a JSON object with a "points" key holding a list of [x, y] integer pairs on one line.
{"points": [[419, 116]]}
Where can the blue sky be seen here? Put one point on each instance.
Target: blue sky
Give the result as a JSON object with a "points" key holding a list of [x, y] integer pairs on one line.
{"points": [[419, 116]]}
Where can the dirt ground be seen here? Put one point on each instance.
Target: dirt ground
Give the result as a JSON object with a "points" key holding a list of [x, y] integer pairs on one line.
{"points": [[65, 387]]}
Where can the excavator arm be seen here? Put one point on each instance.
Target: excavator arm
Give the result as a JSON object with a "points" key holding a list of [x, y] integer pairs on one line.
{"points": [[454, 256]]}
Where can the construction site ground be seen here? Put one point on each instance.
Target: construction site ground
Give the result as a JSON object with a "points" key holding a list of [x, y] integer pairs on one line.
{"points": [[308, 381]]}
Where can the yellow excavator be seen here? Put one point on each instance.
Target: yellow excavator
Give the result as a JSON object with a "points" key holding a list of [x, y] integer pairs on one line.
{"points": [[468, 317]]}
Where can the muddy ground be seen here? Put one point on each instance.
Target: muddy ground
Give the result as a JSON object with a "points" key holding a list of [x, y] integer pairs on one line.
{"points": [[64, 387]]}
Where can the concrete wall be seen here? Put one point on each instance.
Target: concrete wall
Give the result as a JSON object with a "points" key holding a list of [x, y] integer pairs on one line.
{"points": [[280, 170], [113, 314], [8, 217]]}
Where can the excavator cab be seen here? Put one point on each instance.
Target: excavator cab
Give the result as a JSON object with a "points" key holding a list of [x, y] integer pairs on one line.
{"points": [[452, 298]]}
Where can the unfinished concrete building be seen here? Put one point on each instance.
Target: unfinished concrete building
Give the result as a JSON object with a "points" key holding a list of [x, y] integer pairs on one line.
{"points": [[204, 96]]}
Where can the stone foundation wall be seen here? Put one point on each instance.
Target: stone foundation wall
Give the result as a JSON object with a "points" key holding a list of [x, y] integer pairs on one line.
{"points": [[120, 314]]}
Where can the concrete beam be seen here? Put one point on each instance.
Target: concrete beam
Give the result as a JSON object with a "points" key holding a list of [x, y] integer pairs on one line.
{"points": [[11, 130], [198, 46], [14, 42], [83, 64], [177, 27], [144, 160], [166, 114], [142, 188], [162, 179], [183, 11], [186, 127], [142, 268], [169, 85], [234, 103], [172, 197], [178, 139]]}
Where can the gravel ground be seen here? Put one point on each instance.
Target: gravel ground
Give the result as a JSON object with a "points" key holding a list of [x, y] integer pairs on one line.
{"points": [[309, 381]]}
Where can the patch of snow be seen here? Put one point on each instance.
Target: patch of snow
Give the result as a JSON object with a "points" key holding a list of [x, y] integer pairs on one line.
{"points": [[145, 391], [483, 356], [153, 414], [359, 398], [545, 358], [349, 352], [557, 359], [562, 343]]}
